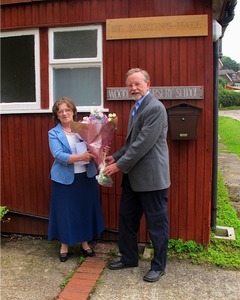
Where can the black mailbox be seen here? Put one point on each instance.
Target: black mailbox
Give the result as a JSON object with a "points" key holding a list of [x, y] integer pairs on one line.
{"points": [[182, 120]]}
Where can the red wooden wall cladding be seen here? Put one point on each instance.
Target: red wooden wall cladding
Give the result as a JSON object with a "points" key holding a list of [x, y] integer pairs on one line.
{"points": [[179, 61]]}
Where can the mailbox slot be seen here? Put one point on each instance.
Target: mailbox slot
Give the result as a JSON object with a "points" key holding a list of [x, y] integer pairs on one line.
{"points": [[183, 120]]}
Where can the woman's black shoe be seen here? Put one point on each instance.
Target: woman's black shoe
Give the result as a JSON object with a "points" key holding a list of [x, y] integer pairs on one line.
{"points": [[88, 252], [63, 257]]}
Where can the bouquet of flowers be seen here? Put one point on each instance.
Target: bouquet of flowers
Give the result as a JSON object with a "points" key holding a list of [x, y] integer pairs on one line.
{"points": [[97, 131]]}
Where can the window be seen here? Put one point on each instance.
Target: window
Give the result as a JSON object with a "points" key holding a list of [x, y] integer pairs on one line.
{"points": [[20, 72], [76, 65]]}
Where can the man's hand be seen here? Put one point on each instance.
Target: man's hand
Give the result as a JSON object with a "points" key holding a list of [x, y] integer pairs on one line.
{"points": [[111, 169], [109, 160]]}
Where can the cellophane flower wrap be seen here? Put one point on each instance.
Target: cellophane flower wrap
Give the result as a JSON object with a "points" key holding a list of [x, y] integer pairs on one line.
{"points": [[102, 179], [97, 131]]}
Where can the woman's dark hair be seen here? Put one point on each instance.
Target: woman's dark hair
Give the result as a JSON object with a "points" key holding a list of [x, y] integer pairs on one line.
{"points": [[69, 102]]}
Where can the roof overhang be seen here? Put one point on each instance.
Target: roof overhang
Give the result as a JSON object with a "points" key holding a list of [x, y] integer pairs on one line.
{"points": [[224, 12]]}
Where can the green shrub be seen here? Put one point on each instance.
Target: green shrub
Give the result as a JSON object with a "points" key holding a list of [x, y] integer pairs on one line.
{"points": [[3, 212], [228, 98], [222, 82]]}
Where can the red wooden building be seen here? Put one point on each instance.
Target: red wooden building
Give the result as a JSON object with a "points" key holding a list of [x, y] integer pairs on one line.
{"points": [[82, 49]]}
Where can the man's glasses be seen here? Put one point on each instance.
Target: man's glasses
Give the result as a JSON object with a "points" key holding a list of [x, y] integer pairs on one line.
{"points": [[62, 111]]}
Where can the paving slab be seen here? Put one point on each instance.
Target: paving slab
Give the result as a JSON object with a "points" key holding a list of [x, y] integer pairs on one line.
{"points": [[234, 114], [30, 268], [182, 280]]}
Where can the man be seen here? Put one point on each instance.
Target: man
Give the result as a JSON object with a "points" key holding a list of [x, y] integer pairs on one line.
{"points": [[145, 164]]}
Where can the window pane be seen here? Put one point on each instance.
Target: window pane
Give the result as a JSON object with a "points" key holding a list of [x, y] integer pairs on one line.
{"points": [[75, 44], [17, 69], [82, 85]]}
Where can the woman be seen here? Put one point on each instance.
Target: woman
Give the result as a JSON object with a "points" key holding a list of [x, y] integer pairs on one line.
{"points": [[75, 209]]}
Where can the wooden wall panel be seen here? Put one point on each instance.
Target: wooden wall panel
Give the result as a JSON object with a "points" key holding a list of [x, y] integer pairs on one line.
{"points": [[170, 62], [25, 165], [5, 2], [68, 12]]}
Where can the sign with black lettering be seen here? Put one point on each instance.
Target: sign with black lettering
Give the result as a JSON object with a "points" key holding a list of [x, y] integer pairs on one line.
{"points": [[157, 27], [162, 93]]}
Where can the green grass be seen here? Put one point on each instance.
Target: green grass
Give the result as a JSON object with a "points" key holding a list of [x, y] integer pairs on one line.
{"points": [[229, 131], [64, 283]]}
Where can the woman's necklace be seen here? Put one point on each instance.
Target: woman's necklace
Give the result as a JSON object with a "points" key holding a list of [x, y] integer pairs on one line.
{"points": [[68, 131]]}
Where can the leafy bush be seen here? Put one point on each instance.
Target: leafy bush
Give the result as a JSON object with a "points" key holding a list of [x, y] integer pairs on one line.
{"points": [[3, 212], [179, 246], [228, 98], [222, 83]]}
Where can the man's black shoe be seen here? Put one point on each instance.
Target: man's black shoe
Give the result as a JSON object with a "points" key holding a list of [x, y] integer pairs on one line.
{"points": [[118, 265], [153, 276]]}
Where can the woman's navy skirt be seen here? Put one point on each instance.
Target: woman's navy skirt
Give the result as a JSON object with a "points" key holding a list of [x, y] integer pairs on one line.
{"points": [[75, 211]]}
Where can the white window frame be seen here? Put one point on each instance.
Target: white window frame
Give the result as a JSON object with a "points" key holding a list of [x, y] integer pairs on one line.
{"points": [[76, 63], [22, 107]]}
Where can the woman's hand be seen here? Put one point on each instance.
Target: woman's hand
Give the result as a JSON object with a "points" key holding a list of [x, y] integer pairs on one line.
{"points": [[87, 156]]}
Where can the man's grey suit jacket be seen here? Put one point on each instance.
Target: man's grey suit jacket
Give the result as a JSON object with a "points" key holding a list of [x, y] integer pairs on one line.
{"points": [[144, 157]]}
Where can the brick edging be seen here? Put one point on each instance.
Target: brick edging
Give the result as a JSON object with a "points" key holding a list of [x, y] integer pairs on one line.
{"points": [[84, 279]]}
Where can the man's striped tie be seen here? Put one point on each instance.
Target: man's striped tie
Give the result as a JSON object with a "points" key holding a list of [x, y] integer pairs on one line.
{"points": [[136, 106]]}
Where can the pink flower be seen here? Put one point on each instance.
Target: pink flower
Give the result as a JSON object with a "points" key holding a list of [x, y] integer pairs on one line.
{"points": [[97, 131]]}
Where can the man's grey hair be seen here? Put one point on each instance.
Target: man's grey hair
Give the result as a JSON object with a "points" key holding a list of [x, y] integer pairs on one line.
{"points": [[136, 70]]}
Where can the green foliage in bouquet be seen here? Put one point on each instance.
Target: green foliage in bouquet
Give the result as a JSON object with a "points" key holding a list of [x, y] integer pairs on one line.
{"points": [[102, 179]]}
